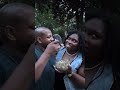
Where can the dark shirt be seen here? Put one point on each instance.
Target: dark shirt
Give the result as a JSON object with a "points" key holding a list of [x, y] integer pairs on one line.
{"points": [[46, 82], [8, 62]]}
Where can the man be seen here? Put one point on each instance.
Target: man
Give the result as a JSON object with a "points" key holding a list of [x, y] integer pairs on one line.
{"points": [[17, 33], [23, 74], [45, 45]]}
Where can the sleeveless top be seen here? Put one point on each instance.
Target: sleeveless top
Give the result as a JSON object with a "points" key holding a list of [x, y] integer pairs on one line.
{"points": [[104, 79], [74, 65]]}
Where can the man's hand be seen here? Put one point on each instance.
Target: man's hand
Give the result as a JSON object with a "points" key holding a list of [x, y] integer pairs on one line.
{"points": [[52, 48]]}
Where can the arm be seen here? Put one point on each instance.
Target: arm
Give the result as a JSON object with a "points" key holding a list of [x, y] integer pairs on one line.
{"points": [[40, 65], [51, 49], [23, 75], [79, 78]]}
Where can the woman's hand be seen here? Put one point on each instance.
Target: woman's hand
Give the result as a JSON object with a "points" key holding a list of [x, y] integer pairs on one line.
{"points": [[68, 71]]}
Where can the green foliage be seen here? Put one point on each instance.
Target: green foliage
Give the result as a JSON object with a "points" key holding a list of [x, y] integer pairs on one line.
{"points": [[65, 10], [45, 18]]}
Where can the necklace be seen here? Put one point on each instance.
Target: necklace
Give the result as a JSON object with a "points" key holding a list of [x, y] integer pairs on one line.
{"points": [[71, 54], [94, 66]]}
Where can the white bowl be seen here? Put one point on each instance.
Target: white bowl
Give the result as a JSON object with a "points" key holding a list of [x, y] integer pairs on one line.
{"points": [[62, 65]]}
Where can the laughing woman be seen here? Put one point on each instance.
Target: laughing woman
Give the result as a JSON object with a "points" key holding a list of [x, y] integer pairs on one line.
{"points": [[71, 78]]}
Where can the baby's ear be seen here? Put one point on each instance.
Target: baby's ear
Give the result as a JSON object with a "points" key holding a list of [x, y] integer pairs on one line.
{"points": [[10, 32], [39, 40]]}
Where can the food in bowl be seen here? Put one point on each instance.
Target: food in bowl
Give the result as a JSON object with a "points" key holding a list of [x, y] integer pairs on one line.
{"points": [[62, 65]]}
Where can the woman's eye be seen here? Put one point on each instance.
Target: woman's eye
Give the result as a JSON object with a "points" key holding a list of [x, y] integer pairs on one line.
{"points": [[93, 36], [74, 41]]}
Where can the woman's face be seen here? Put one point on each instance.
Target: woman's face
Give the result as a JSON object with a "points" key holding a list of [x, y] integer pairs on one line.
{"points": [[72, 42], [94, 37]]}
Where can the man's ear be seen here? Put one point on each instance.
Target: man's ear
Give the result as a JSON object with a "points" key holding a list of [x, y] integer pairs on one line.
{"points": [[10, 32], [39, 40]]}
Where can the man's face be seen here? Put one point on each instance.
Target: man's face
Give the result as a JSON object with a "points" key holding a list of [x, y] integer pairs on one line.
{"points": [[25, 34], [47, 37]]}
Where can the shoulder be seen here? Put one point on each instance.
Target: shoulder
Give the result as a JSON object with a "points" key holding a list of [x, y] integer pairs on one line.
{"points": [[7, 56], [61, 50], [2, 76], [38, 52], [4, 65], [4, 56], [80, 55], [8, 61]]}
